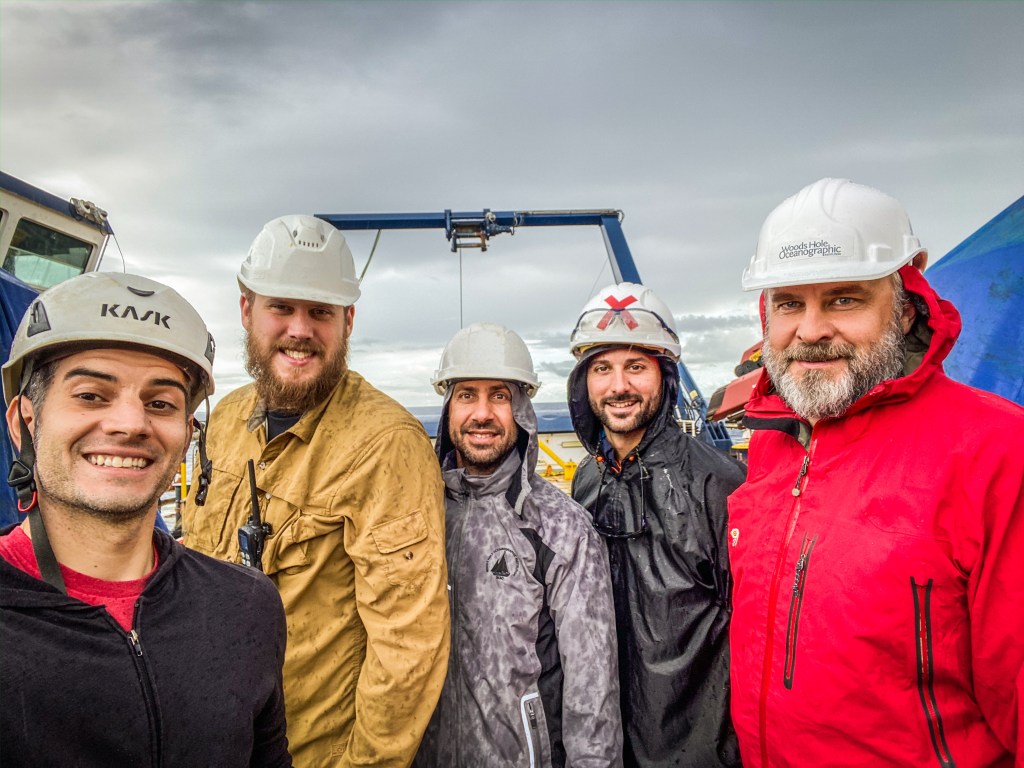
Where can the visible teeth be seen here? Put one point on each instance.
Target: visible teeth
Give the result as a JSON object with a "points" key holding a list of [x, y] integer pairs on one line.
{"points": [[101, 460], [295, 355]]}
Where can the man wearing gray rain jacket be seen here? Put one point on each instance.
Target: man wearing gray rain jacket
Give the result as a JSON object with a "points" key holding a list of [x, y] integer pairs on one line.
{"points": [[532, 678]]}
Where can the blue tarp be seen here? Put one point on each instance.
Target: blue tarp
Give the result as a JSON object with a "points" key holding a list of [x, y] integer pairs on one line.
{"points": [[984, 278], [15, 297]]}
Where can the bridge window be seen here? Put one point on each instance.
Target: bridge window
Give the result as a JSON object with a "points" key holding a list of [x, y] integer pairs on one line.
{"points": [[42, 257]]}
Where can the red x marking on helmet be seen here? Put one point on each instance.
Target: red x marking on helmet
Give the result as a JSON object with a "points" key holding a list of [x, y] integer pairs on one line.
{"points": [[618, 308]]}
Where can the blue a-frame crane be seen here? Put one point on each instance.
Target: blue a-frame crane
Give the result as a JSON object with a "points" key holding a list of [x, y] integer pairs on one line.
{"points": [[475, 229]]}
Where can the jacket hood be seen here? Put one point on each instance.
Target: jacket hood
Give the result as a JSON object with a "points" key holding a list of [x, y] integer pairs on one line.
{"points": [[932, 336], [518, 486], [589, 428]]}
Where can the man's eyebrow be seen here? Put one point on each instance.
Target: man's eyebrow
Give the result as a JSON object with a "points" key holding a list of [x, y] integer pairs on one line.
{"points": [[640, 357], [169, 383], [847, 289], [89, 373]]}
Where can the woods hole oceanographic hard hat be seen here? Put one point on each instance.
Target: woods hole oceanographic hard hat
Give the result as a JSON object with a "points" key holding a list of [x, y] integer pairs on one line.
{"points": [[626, 314], [830, 231], [111, 309], [301, 257], [486, 351]]}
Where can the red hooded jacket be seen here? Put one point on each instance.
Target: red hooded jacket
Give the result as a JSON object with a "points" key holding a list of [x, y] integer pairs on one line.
{"points": [[878, 561]]}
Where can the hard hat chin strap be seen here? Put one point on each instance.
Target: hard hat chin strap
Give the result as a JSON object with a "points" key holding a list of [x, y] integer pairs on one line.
{"points": [[45, 559], [21, 476], [22, 479], [205, 465]]}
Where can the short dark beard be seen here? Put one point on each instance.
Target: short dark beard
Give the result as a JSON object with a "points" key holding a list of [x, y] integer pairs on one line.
{"points": [[816, 395], [644, 416], [482, 461], [294, 397]]}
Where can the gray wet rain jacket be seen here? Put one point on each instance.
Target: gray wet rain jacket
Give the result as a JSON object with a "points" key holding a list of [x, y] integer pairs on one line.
{"points": [[670, 581], [532, 677]]}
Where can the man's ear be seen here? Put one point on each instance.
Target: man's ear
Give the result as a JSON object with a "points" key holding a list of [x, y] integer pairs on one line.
{"points": [[188, 437], [908, 316], [350, 314], [920, 261], [245, 308], [14, 423]]}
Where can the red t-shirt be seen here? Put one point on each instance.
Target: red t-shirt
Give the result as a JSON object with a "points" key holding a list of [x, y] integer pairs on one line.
{"points": [[118, 597]]}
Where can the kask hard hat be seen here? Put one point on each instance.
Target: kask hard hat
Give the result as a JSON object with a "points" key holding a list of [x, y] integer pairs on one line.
{"points": [[626, 314], [301, 257], [111, 309], [831, 231], [486, 351]]}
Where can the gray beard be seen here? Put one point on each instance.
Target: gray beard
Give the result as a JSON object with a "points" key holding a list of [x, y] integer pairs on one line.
{"points": [[819, 395]]}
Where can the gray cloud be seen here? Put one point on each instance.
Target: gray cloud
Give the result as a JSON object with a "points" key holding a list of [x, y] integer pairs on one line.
{"points": [[194, 123]]}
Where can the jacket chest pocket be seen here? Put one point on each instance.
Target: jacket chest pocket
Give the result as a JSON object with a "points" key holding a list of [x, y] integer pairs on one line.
{"points": [[403, 548], [292, 531]]}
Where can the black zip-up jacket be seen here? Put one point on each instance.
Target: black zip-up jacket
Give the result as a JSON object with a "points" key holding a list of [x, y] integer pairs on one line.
{"points": [[197, 682], [670, 582]]}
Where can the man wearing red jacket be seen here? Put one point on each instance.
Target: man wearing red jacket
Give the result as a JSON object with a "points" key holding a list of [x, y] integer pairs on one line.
{"points": [[877, 546]]}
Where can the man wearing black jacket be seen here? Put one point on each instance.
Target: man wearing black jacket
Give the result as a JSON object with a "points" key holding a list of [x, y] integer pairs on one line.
{"points": [[119, 646], [658, 497]]}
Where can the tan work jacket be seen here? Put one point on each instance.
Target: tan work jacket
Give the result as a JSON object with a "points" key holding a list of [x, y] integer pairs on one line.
{"points": [[354, 498]]}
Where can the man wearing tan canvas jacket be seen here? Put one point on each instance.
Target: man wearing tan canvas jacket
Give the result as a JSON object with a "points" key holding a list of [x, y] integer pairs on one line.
{"points": [[351, 510]]}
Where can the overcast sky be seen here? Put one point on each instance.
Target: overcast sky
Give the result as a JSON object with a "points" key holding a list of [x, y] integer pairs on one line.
{"points": [[193, 124]]}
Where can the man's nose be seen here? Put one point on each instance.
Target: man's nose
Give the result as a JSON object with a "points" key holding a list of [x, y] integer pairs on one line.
{"points": [[127, 416], [482, 412], [299, 326], [618, 381], [815, 325]]}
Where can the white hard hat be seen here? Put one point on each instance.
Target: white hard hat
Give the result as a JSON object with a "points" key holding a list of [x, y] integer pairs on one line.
{"points": [[830, 231], [301, 257], [626, 314], [111, 309], [486, 351]]}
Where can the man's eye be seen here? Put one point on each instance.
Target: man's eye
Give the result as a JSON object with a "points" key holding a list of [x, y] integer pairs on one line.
{"points": [[89, 397], [163, 405], [845, 301]]}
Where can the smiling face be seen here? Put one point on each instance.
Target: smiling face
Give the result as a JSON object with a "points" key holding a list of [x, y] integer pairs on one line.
{"points": [[481, 425], [296, 351], [827, 345], [624, 387], [110, 435]]}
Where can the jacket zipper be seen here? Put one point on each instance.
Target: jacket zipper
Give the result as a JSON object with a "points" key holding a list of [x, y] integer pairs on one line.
{"points": [[453, 740], [528, 709], [796, 601], [925, 671], [773, 599], [152, 711]]}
